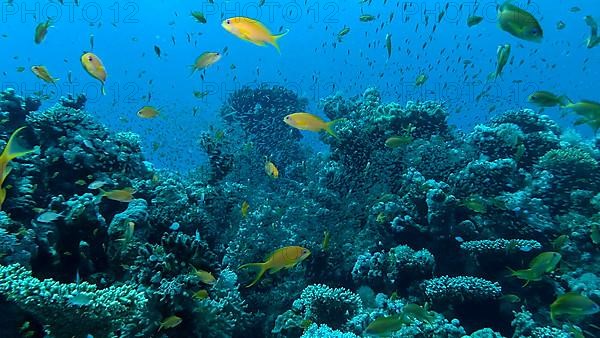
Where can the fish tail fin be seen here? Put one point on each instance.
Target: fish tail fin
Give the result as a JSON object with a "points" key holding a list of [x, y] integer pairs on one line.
{"points": [[277, 37], [512, 272], [98, 198], [102, 90], [261, 272], [193, 69], [2, 196], [329, 125], [564, 101], [13, 148]]}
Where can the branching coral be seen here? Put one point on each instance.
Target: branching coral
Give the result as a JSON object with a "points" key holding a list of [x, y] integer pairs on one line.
{"points": [[324, 305], [103, 313]]}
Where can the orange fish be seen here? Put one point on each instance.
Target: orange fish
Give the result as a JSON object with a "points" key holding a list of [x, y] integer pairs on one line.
{"points": [[252, 31], [93, 65], [310, 122], [43, 73], [286, 257], [121, 195], [148, 112]]}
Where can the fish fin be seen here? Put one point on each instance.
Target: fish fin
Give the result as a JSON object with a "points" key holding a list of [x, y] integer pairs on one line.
{"points": [[563, 101], [2, 196], [13, 149], [193, 69], [261, 272], [512, 272], [102, 89], [330, 124], [274, 270], [98, 198], [6, 172], [277, 37]]}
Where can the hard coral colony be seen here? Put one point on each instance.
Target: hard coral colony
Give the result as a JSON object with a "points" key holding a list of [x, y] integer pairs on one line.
{"points": [[405, 226]]}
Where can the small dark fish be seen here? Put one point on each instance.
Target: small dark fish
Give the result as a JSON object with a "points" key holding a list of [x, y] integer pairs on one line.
{"points": [[157, 50]]}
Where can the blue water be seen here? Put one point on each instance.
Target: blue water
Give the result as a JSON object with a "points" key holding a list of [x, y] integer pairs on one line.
{"points": [[312, 61]]}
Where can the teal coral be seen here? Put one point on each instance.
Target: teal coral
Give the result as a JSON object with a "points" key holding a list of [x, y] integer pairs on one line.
{"points": [[324, 331], [109, 310], [324, 305], [460, 289], [499, 246]]}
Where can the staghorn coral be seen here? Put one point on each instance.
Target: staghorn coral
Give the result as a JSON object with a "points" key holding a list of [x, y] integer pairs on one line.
{"points": [[116, 308]]}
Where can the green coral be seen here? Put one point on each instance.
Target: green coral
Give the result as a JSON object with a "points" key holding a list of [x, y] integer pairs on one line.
{"points": [[108, 310]]}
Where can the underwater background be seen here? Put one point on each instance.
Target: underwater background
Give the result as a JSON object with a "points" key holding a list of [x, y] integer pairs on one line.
{"points": [[299, 169]]}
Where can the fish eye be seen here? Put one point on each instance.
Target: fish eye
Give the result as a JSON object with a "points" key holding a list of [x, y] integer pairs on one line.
{"points": [[90, 58], [304, 251], [287, 117], [228, 22]]}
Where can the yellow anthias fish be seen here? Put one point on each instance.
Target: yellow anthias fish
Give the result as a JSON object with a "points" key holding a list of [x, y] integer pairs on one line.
{"points": [[94, 66], [502, 53], [205, 276], [200, 294], [170, 322], [286, 257], [385, 326], [310, 122], [148, 112], [121, 195], [519, 23], [244, 209], [420, 80], [538, 266], [205, 59], [252, 31], [572, 305], [43, 73], [41, 30], [11, 151], [271, 169]]}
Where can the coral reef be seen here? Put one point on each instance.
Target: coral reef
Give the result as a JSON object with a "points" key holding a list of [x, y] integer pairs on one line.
{"points": [[427, 226]]}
